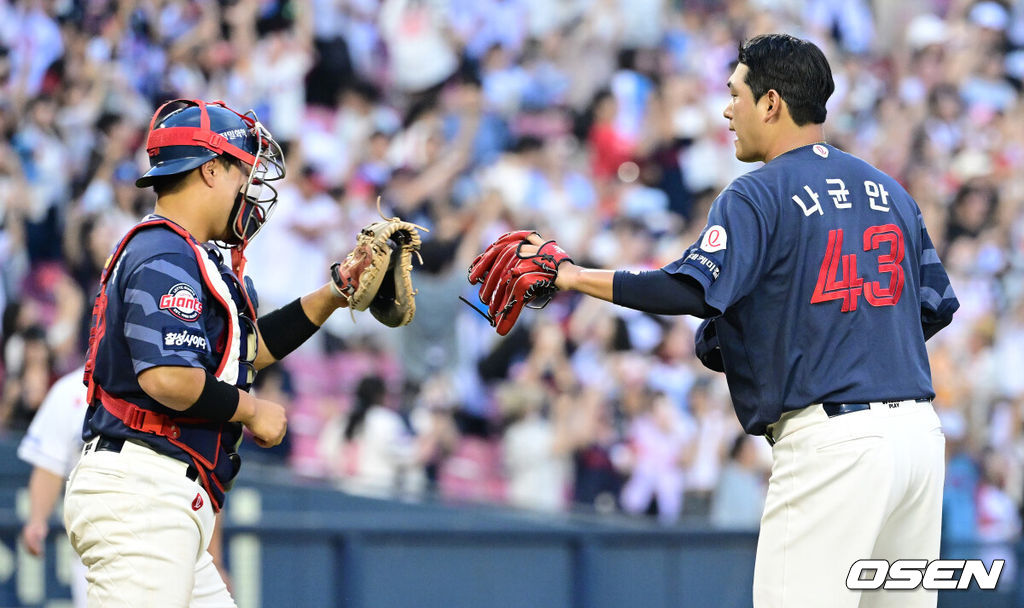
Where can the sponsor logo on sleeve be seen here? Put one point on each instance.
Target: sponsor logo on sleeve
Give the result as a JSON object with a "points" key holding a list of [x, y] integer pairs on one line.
{"points": [[182, 302], [714, 239], [706, 264], [184, 338]]}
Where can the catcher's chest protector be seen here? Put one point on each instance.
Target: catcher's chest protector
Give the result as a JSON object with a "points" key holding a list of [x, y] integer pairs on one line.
{"points": [[201, 440]]}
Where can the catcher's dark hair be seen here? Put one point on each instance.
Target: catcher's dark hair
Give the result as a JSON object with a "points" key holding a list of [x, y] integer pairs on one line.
{"points": [[795, 68], [168, 184]]}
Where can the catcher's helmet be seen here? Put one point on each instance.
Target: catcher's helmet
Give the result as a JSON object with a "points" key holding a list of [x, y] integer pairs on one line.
{"points": [[185, 133]]}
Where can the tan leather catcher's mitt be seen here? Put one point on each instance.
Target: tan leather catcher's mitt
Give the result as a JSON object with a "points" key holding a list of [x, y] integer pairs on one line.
{"points": [[377, 274]]}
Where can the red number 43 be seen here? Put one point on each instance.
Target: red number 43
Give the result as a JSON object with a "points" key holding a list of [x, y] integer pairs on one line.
{"points": [[838, 280]]}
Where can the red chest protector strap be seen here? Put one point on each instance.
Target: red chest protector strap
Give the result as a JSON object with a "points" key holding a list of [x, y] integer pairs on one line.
{"points": [[137, 418], [140, 419]]}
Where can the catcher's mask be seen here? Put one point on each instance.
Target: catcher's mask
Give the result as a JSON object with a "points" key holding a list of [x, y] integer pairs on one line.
{"points": [[185, 133]]}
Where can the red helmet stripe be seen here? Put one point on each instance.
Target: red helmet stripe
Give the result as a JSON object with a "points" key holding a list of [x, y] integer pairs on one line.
{"points": [[204, 117], [191, 136], [152, 122]]}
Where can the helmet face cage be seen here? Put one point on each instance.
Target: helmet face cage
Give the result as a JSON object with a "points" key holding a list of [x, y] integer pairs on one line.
{"points": [[177, 144], [259, 197]]}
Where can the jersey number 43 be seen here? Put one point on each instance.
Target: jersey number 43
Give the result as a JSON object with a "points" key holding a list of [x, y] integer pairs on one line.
{"points": [[838, 280]]}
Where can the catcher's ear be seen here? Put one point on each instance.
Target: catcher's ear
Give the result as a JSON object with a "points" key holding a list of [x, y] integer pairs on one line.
{"points": [[208, 171]]}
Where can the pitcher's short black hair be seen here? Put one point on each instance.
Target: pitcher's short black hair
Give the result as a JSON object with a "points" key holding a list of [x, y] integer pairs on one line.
{"points": [[795, 68]]}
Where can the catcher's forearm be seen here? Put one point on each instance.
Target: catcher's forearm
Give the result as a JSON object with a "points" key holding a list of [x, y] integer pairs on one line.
{"points": [[593, 282], [319, 304]]}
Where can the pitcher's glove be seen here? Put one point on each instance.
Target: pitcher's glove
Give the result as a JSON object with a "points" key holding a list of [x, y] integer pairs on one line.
{"points": [[511, 279], [377, 274]]}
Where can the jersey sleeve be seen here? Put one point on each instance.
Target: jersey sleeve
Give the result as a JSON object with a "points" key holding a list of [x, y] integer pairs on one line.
{"points": [[164, 306], [729, 257], [938, 302]]}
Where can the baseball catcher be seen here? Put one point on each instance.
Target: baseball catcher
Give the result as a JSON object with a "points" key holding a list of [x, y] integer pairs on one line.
{"points": [[174, 346]]}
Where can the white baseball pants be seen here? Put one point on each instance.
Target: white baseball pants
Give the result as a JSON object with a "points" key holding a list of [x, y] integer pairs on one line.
{"points": [[861, 485], [135, 519]]}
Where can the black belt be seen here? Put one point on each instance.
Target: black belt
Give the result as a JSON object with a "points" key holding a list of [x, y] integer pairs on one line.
{"points": [[109, 444], [838, 409], [114, 444]]}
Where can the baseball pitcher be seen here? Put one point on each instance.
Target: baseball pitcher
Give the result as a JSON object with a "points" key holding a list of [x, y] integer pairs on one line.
{"points": [[819, 286]]}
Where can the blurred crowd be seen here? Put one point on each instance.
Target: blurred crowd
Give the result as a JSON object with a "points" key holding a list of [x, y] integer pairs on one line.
{"points": [[594, 121]]}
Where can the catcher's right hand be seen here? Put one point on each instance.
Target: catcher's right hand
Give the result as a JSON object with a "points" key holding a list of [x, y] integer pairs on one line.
{"points": [[519, 269]]}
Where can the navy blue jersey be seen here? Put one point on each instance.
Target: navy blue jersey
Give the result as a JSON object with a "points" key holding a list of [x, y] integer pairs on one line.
{"points": [[160, 313], [827, 282]]}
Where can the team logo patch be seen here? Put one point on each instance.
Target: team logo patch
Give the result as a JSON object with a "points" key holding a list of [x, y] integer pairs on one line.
{"points": [[821, 150], [184, 338], [197, 502], [714, 239], [182, 302]]}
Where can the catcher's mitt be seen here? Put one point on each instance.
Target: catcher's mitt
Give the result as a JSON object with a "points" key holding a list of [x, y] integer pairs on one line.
{"points": [[377, 273], [394, 304], [512, 280]]}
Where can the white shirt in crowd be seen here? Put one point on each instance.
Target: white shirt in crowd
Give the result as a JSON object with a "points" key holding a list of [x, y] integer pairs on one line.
{"points": [[54, 439], [54, 443]]}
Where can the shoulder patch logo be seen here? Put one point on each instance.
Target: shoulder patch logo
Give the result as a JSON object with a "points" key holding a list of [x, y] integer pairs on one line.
{"points": [[714, 239], [182, 302], [821, 150], [197, 502]]}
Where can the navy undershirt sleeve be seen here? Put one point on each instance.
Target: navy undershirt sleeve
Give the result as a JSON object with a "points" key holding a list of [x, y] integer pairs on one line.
{"points": [[660, 293]]}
